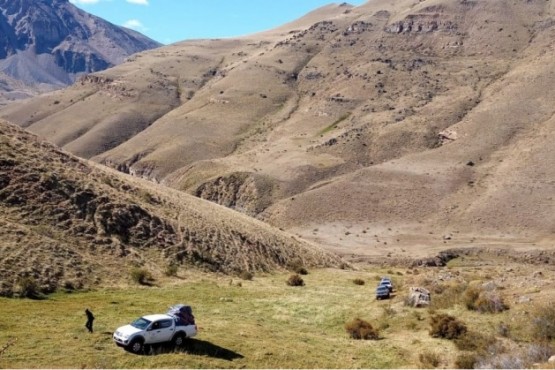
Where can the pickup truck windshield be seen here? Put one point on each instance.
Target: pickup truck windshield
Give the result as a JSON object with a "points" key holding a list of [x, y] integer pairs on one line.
{"points": [[141, 323]]}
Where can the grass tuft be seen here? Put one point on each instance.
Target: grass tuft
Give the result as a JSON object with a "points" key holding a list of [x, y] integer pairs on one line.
{"points": [[446, 326], [295, 280], [360, 329], [358, 282]]}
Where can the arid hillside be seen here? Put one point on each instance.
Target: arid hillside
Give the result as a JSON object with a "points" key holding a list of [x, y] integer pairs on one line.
{"points": [[391, 126], [66, 223]]}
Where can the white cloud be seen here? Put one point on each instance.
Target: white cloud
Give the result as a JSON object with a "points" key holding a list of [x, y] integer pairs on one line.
{"points": [[138, 2], [135, 24]]}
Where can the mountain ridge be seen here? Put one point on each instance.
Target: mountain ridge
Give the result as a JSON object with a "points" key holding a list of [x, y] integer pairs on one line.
{"points": [[65, 222], [403, 114], [48, 44]]}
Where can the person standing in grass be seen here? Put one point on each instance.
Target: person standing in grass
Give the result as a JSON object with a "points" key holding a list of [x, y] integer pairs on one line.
{"points": [[90, 319]]}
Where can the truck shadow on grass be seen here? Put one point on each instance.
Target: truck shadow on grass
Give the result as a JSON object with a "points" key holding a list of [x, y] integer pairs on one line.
{"points": [[193, 347]]}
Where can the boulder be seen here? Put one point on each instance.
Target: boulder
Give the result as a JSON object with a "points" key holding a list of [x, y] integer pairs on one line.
{"points": [[418, 297]]}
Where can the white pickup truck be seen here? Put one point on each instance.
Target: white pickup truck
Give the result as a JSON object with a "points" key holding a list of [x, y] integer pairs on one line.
{"points": [[153, 329]]}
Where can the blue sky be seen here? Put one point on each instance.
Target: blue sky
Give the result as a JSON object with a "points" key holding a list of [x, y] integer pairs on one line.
{"points": [[169, 21]]}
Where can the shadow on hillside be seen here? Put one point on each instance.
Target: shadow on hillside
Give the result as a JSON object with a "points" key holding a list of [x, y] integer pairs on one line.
{"points": [[194, 347]]}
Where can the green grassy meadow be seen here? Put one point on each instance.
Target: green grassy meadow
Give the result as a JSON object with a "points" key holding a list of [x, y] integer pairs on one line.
{"points": [[261, 323]]}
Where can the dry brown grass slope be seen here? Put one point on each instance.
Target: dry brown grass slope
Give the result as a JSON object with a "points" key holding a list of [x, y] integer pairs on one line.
{"points": [[352, 126], [68, 223]]}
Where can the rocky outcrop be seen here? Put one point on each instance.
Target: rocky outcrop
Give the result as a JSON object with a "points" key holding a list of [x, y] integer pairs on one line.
{"points": [[245, 192], [418, 297], [419, 23]]}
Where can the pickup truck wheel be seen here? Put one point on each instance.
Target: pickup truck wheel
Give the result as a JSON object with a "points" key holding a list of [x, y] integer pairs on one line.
{"points": [[136, 346], [178, 340]]}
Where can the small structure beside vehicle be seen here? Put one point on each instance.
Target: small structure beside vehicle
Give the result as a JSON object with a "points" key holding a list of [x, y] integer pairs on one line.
{"points": [[174, 327]]}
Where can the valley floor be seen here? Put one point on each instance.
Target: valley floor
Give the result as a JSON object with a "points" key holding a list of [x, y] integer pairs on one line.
{"points": [[264, 323]]}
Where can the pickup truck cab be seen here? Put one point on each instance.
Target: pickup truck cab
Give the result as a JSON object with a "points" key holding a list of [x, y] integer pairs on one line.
{"points": [[153, 329]]}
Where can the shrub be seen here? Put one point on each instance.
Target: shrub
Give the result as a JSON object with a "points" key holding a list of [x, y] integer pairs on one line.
{"points": [[470, 296], [69, 285], [171, 270], [295, 280], [490, 302], [525, 356], [473, 341], [6, 290], [477, 299], [446, 295], [360, 329], [466, 361], [446, 326], [358, 282], [246, 275], [28, 288], [543, 324], [141, 276], [429, 360], [538, 352]]}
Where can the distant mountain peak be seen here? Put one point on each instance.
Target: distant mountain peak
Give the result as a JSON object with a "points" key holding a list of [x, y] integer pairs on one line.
{"points": [[52, 42]]}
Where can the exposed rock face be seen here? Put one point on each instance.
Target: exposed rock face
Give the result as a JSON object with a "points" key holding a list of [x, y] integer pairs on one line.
{"points": [[421, 24], [244, 192], [52, 42]]}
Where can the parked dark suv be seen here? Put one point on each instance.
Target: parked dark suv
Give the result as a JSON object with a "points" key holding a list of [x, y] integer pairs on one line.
{"points": [[382, 292]]}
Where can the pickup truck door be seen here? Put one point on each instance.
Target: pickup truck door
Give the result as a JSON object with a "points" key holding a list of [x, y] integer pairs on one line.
{"points": [[167, 329], [153, 333], [160, 331]]}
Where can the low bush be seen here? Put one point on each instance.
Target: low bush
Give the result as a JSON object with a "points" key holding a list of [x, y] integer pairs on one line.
{"points": [[522, 357], [446, 326], [478, 299], [490, 302], [358, 282], [28, 288], [470, 296], [466, 361], [543, 323], [141, 276], [360, 329], [295, 280], [447, 295], [474, 341], [246, 275]]}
